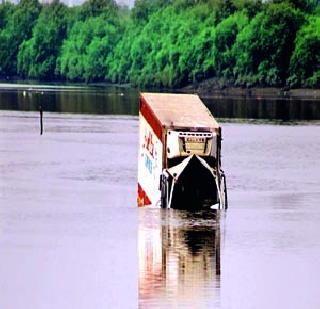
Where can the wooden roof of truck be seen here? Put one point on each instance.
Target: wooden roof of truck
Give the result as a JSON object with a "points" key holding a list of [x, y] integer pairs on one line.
{"points": [[177, 111]]}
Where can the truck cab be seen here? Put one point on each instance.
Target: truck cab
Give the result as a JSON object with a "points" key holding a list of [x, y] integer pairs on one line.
{"points": [[192, 175], [180, 150]]}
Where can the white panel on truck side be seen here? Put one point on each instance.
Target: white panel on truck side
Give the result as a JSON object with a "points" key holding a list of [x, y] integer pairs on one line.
{"points": [[149, 163]]}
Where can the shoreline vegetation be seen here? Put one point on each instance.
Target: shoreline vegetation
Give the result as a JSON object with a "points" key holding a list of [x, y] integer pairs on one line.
{"points": [[205, 89], [212, 87], [207, 46]]}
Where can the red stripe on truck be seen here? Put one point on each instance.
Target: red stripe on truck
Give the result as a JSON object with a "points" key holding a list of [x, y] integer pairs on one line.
{"points": [[150, 117], [143, 199]]}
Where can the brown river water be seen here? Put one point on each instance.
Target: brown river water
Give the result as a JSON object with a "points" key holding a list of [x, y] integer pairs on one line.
{"points": [[71, 235]]}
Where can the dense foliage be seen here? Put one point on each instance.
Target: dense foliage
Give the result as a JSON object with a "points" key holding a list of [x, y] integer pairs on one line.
{"points": [[164, 43], [37, 56]]}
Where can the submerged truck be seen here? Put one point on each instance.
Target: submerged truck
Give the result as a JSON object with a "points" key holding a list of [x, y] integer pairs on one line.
{"points": [[179, 163]]}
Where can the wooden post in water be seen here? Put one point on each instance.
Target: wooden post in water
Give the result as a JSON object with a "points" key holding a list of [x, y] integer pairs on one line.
{"points": [[41, 119]]}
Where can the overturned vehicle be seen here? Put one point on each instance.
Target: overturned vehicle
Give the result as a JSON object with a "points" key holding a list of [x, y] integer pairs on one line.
{"points": [[180, 153]]}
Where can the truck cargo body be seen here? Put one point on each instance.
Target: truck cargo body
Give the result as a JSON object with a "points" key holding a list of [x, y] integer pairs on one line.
{"points": [[179, 153]]}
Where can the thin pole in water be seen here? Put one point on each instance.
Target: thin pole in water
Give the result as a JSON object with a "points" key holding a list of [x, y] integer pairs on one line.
{"points": [[41, 119]]}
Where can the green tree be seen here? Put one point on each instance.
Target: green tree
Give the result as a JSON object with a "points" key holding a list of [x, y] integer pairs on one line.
{"points": [[224, 37], [6, 10], [263, 48], [84, 52], [303, 5], [119, 59], [94, 8], [163, 43], [164, 51], [305, 61], [250, 7], [144, 8], [17, 29], [37, 56]]}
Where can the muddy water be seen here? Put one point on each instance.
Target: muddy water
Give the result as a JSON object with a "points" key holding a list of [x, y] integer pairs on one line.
{"points": [[265, 252], [68, 221], [72, 237]]}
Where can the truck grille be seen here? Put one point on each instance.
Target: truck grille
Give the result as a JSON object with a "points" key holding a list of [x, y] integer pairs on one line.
{"points": [[195, 143]]}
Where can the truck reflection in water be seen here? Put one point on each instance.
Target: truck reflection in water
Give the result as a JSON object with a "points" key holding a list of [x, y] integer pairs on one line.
{"points": [[179, 258]]}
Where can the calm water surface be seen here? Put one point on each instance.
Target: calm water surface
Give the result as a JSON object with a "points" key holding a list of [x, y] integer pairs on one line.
{"points": [[71, 235]]}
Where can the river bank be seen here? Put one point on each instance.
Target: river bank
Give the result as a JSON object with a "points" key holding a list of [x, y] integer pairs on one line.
{"points": [[214, 87], [206, 89]]}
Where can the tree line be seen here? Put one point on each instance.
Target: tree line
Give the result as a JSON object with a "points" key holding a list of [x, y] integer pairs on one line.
{"points": [[163, 43]]}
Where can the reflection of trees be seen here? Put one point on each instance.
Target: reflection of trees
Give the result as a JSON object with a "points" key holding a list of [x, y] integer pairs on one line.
{"points": [[124, 101], [96, 102], [263, 108], [87, 101], [179, 257]]}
